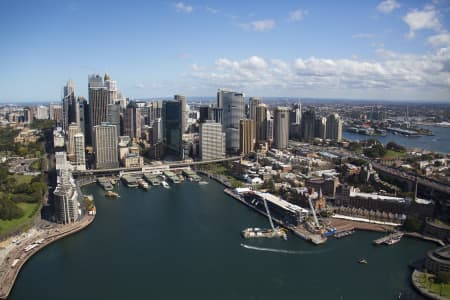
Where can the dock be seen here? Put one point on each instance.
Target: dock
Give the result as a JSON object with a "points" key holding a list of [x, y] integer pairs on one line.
{"points": [[389, 237], [299, 230]]}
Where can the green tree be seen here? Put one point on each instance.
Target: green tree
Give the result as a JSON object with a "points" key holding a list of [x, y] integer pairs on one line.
{"points": [[413, 223]]}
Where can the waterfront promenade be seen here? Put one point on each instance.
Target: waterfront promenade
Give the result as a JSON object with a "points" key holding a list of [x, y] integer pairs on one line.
{"points": [[17, 256]]}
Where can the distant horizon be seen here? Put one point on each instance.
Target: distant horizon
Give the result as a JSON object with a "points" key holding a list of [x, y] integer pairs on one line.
{"points": [[305, 100]]}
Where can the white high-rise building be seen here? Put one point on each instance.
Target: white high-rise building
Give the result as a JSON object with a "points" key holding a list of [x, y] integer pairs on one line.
{"points": [[334, 127], [105, 146], [72, 131], [66, 196], [42, 112], [212, 141], [281, 128], [79, 149]]}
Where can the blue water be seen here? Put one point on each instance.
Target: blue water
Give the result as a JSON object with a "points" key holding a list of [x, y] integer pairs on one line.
{"points": [[439, 142]]}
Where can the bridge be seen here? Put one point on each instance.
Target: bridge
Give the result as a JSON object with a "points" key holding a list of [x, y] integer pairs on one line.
{"points": [[171, 165], [424, 181]]}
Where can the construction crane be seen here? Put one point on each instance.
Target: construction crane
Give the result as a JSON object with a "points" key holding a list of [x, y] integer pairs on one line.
{"points": [[268, 213], [313, 212]]}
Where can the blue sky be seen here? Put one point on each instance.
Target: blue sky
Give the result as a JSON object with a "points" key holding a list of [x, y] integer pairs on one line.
{"points": [[388, 49]]}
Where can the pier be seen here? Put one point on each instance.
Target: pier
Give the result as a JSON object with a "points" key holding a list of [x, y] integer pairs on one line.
{"points": [[299, 230], [389, 237]]}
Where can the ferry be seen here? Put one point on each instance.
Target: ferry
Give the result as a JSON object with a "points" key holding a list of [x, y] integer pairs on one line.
{"points": [[393, 241], [264, 233], [105, 183], [342, 234], [203, 182], [111, 194], [362, 261], [165, 184], [142, 184], [130, 181]]}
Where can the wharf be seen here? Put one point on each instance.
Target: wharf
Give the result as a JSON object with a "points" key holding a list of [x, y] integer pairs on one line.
{"points": [[387, 238], [298, 230], [17, 257]]}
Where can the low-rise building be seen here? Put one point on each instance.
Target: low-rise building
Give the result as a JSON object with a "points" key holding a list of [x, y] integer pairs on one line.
{"points": [[438, 260]]}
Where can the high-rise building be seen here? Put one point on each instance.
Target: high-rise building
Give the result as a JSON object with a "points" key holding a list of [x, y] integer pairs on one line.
{"points": [[157, 131], [67, 102], [308, 124], [253, 103], [261, 123], [320, 127], [66, 197], [281, 128], [79, 152], [105, 146], [172, 127], [98, 100], [212, 140], [334, 127], [113, 116], [233, 112], [206, 113], [41, 112], [295, 117], [247, 136], [81, 113], [73, 129], [270, 127], [184, 116]]}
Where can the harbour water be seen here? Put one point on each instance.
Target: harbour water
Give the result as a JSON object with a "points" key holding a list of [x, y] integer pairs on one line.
{"points": [[439, 142], [185, 243]]}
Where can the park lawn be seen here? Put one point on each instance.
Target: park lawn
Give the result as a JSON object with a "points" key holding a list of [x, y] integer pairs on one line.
{"points": [[394, 154], [435, 287], [28, 208], [22, 178]]}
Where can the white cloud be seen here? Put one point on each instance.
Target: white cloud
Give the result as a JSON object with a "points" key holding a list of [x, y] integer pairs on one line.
{"points": [[391, 74], [297, 15], [139, 85], [181, 7], [428, 18], [260, 25], [212, 10], [387, 6], [362, 36], [442, 39]]}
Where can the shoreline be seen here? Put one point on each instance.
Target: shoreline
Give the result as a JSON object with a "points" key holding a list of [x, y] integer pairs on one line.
{"points": [[10, 273]]}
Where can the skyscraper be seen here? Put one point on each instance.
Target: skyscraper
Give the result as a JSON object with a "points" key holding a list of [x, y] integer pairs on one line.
{"points": [[105, 146], [334, 127], [247, 136], [261, 123], [98, 100], [253, 102], [113, 116], [320, 127], [233, 112], [73, 129], [172, 127], [67, 102], [79, 151], [281, 128], [308, 125], [212, 140], [182, 100], [295, 117]]}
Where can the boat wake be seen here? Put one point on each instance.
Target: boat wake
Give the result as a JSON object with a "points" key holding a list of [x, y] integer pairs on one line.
{"points": [[295, 252]]}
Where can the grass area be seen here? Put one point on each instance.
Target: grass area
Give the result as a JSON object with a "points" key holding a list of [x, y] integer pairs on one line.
{"points": [[29, 210], [22, 178], [36, 165], [435, 288], [395, 154]]}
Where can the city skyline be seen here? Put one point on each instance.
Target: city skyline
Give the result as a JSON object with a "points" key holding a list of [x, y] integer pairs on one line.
{"points": [[386, 50]]}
